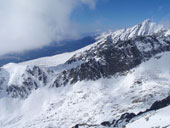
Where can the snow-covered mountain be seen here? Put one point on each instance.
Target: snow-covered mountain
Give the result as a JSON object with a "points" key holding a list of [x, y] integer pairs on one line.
{"points": [[147, 27], [105, 84], [20, 80]]}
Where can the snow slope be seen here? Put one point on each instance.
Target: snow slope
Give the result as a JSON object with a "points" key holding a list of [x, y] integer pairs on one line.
{"points": [[57, 59], [154, 119], [91, 102], [50, 61], [15, 71]]}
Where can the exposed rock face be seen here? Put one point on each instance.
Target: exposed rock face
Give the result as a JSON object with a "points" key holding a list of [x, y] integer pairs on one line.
{"points": [[85, 126], [108, 58], [160, 104], [31, 79]]}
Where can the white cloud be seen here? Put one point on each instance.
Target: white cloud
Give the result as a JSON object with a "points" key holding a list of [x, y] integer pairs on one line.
{"points": [[28, 24], [91, 3]]}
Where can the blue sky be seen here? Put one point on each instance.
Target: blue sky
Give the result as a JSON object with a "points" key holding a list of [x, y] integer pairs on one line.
{"points": [[115, 14], [32, 24]]}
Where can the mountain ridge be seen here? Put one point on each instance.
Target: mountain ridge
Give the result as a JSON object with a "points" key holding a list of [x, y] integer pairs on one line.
{"points": [[115, 75], [104, 58]]}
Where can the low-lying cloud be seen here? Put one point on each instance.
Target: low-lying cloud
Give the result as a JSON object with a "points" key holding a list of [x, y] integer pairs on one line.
{"points": [[29, 24]]}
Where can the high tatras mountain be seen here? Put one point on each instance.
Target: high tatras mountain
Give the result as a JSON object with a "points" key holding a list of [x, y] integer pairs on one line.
{"points": [[115, 82]]}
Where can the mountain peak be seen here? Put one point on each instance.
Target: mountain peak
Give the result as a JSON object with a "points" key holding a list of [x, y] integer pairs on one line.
{"points": [[147, 27], [146, 21]]}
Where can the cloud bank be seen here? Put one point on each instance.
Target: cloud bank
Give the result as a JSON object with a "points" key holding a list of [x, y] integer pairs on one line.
{"points": [[29, 24]]}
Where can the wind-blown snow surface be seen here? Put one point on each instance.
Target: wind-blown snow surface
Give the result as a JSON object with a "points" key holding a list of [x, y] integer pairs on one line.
{"points": [[15, 71], [90, 102]]}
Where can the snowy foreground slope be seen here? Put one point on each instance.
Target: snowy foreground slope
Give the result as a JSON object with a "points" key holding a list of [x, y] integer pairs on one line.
{"points": [[90, 102], [154, 119], [123, 72]]}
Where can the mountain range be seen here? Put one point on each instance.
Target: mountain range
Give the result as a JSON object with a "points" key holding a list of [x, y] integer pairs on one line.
{"points": [[121, 80]]}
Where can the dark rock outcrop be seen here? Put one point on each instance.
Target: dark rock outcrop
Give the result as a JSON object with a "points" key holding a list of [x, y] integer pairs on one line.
{"points": [[30, 80], [108, 58]]}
